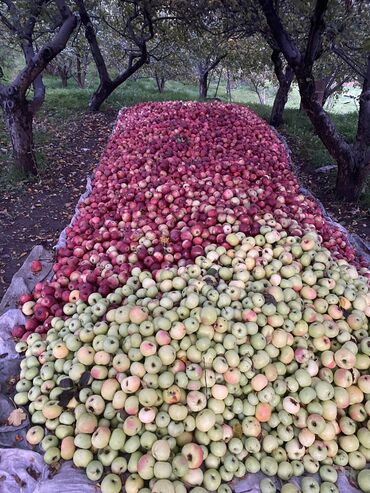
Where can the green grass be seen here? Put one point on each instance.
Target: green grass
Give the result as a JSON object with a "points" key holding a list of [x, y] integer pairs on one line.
{"points": [[299, 128], [63, 104]]}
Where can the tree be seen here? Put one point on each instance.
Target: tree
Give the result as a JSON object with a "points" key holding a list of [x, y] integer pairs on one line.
{"points": [[285, 76], [283, 73], [210, 31], [129, 20], [353, 160], [333, 84], [167, 58], [72, 62], [204, 67], [62, 66], [81, 54], [249, 62], [201, 52], [21, 23]]}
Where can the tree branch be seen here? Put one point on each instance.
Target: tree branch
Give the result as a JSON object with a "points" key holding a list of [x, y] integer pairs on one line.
{"points": [[314, 43], [332, 89], [13, 12], [49, 51], [34, 14], [278, 64], [131, 69], [351, 63], [7, 23], [117, 31], [216, 62], [93, 42], [363, 128], [286, 44]]}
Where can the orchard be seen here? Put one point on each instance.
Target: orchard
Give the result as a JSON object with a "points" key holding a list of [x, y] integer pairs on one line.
{"points": [[204, 320], [202, 323]]}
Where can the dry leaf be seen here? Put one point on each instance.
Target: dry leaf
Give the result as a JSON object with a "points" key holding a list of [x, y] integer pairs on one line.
{"points": [[16, 417]]}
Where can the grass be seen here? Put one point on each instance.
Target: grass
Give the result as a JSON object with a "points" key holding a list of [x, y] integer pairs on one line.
{"points": [[63, 104]]}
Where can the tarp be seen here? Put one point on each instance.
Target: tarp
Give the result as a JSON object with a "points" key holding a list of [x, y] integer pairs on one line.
{"points": [[22, 469], [361, 247]]}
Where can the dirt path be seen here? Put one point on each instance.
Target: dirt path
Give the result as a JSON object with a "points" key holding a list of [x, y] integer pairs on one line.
{"points": [[36, 213]]}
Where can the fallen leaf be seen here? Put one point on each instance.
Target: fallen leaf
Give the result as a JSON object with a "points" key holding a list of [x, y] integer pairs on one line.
{"points": [[53, 469], [16, 417], [33, 473], [19, 481]]}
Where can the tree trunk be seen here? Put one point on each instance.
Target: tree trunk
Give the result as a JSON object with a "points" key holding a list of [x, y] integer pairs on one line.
{"points": [[260, 98], [79, 72], [218, 83], [325, 98], [160, 81], [228, 86], [351, 178], [100, 95], [281, 98], [19, 119], [64, 79], [203, 85], [353, 160], [320, 85], [107, 86]]}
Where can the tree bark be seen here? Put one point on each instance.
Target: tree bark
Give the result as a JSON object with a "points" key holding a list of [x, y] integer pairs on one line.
{"points": [[18, 119], [260, 96], [100, 95], [106, 87], [254, 83], [228, 85], [203, 85], [281, 98], [80, 71], [160, 81], [351, 178], [320, 90], [64, 79], [285, 79], [218, 83]]}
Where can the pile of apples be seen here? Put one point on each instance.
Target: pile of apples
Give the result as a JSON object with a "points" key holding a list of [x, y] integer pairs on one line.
{"points": [[175, 178], [253, 356]]}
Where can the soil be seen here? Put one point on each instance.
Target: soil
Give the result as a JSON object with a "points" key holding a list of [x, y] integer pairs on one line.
{"points": [[37, 212]]}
